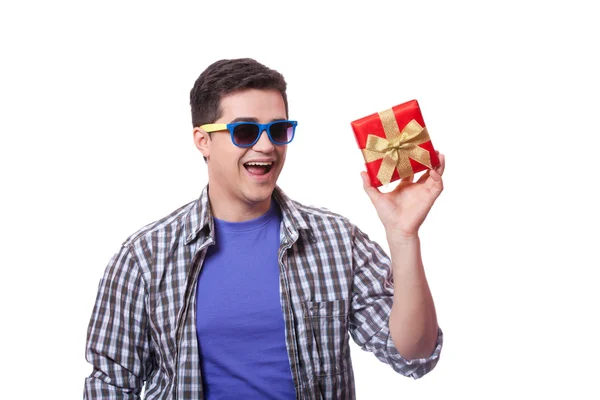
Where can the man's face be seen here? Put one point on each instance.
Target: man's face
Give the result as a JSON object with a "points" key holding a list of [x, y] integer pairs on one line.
{"points": [[231, 178]]}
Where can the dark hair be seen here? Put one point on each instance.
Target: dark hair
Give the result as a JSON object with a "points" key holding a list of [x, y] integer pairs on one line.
{"points": [[226, 77]]}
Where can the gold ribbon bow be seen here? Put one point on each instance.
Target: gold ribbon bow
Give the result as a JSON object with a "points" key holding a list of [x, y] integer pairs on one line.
{"points": [[398, 148]]}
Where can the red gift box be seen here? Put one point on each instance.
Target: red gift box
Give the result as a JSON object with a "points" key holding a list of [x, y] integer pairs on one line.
{"points": [[395, 143]]}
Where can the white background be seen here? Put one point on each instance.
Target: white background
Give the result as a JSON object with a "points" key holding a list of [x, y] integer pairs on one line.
{"points": [[96, 141]]}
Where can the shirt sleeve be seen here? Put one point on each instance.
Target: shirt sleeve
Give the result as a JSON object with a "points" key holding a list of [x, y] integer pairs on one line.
{"points": [[372, 300], [117, 340]]}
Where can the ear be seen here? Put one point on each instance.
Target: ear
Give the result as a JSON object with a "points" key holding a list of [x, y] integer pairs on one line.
{"points": [[202, 141]]}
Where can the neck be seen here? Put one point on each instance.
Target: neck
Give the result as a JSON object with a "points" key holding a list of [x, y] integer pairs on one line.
{"points": [[235, 210]]}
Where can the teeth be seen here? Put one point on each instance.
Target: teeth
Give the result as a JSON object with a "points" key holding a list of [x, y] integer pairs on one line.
{"points": [[260, 164]]}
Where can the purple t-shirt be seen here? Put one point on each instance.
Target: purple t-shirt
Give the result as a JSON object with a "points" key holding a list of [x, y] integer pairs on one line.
{"points": [[239, 320]]}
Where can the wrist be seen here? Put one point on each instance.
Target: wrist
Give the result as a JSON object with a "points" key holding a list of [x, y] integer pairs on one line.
{"points": [[401, 239]]}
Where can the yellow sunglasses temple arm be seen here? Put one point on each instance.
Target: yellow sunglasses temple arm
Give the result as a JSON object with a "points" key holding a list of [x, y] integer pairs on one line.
{"points": [[214, 127]]}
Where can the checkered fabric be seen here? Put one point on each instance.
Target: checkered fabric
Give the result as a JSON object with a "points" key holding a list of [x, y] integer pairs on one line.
{"points": [[335, 283]]}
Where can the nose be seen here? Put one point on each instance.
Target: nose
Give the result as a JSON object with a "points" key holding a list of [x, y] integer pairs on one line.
{"points": [[264, 144]]}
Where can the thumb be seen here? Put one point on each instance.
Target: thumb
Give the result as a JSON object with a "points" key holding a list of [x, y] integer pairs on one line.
{"points": [[371, 191]]}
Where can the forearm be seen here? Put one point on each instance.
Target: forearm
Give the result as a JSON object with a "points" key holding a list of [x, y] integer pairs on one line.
{"points": [[413, 322]]}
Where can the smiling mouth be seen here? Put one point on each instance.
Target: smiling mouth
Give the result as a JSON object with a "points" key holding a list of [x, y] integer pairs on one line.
{"points": [[258, 168]]}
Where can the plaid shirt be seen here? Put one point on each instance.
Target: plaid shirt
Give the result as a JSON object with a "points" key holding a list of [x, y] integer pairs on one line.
{"points": [[334, 283]]}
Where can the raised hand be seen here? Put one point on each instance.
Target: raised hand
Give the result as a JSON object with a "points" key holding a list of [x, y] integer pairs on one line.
{"points": [[403, 210]]}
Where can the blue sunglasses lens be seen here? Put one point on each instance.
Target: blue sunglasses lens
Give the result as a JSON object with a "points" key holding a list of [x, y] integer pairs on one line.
{"points": [[246, 134], [282, 132]]}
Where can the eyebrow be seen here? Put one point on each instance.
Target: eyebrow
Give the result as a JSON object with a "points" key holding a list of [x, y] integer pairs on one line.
{"points": [[252, 119]]}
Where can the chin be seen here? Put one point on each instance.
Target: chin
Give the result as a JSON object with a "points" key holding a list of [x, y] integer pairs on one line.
{"points": [[258, 195], [259, 189]]}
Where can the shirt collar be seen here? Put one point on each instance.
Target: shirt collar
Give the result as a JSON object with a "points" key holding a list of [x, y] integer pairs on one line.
{"points": [[199, 219]]}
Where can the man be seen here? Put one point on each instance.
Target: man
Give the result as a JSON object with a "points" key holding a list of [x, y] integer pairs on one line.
{"points": [[246, 294]]}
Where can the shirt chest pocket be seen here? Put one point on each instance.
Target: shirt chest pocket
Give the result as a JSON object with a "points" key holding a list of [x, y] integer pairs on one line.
{"points": [[327, 324]]}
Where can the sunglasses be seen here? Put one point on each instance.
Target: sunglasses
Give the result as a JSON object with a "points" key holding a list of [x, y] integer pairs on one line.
{"points": [[246, 134]]}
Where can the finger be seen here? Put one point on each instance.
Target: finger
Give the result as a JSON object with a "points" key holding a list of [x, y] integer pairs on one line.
{"points": [[408, 179], [371, 191], [423, 177], [435, 183], [435, 176], [404, 182], [440, 169]]}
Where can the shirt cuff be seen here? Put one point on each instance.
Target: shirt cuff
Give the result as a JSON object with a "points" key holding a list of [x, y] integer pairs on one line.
{"points": [[419, 366]]}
